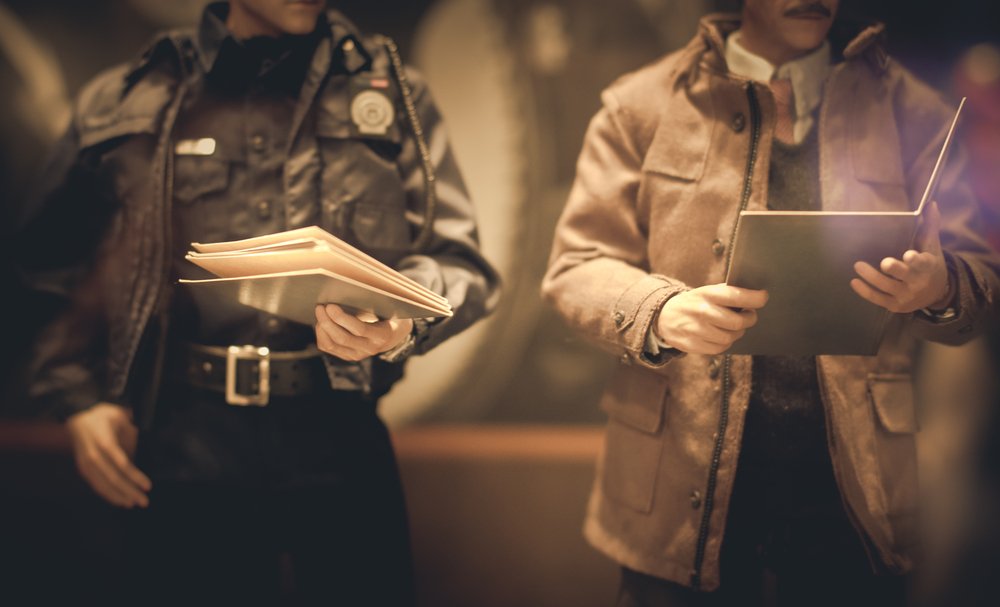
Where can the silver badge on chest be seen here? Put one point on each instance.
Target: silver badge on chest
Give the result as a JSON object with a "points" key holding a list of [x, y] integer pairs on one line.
{"points": [[372, 112]]}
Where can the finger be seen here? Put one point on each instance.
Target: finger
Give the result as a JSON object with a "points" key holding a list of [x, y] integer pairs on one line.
{"points": [[727, 319], [341, 336], [876, 297], [919, 262], [735, 297], [125, 468], [96, 481], [348, 321], [900, 270], [326, 344], [116, 473], [717, 336], [128, 435], [887, 284], [928, 238], [99, 471], [367, 317]]}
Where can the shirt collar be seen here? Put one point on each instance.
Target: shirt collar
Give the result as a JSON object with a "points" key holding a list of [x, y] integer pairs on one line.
{"points": [[807, 73], [212, 33]]}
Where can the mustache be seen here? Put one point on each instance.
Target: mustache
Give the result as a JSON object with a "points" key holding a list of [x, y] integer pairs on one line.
{"points": [[809, 8]]}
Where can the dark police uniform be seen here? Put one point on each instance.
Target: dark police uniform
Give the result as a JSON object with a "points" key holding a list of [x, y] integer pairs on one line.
{"points": [[207, 138]]}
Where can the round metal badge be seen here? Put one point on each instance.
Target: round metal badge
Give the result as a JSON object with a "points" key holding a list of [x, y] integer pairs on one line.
{"points": [[372, 112]]}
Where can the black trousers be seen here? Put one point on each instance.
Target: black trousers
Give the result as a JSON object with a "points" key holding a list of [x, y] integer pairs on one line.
{"points": [[296, 503]]}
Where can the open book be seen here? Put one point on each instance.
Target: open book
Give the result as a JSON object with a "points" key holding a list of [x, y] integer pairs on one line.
{"points": [[288, 273], [805, 260]]}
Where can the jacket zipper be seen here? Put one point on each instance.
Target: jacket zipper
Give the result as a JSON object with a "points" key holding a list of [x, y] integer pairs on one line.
{"points": [[713, 471]]}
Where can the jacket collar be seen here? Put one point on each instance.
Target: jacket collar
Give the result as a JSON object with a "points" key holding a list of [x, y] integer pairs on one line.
{"points": [[849, 41]]}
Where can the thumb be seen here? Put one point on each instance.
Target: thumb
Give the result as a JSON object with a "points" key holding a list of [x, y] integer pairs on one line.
{"points": [[127, 433], [928, 238]]}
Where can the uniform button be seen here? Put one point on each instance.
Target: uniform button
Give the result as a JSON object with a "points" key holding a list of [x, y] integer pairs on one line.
{"points": [[619, 317], [625, 359], [273, 324], [348, 45], [696, 499], [206, 367], [713, 368], [718, 248], [264, 209], [257, 143], [739, 122]]}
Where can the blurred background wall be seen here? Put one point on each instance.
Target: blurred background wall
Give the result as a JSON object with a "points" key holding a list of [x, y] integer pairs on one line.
{"points": [[504, 416]]}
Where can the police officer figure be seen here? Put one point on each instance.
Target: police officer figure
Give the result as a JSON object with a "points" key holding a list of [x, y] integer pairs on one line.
{"points": [[272, 115]]}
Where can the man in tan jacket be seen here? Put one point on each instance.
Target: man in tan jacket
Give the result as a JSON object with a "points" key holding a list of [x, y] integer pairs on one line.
{"points": [[766, 110]]}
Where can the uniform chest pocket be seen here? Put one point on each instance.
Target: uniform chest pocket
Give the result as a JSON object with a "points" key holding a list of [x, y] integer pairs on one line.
{"points": [[197, 177], [202, 204], [363, 193]]}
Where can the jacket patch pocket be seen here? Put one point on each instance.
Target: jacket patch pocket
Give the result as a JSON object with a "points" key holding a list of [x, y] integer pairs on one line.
{"points": [[635, 397], [362, 181], [378, 227], [680, 145], [892, 398], [634, 402], [198, 176], [631, 464]]}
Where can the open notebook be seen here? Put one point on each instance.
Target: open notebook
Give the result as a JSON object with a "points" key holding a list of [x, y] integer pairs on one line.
{"points": [[288, 273], [805, 260]]}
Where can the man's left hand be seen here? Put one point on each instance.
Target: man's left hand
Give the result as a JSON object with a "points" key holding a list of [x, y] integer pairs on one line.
{"points": [[919, 280], [353, 338]]}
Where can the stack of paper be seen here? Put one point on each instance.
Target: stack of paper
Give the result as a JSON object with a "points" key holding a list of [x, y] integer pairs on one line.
{"points": [[288, 273]]}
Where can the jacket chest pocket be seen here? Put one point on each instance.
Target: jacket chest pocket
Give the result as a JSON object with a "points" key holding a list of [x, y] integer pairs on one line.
{"points": [[200, 191], [362, 189]]}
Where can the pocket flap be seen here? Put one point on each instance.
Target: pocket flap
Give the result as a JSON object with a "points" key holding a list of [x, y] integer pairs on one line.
{"points": [[334, 119], [635, 398], [892, 397]]}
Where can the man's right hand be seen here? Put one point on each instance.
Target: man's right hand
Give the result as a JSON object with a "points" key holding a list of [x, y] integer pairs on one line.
{"points": [[104, 440], [707, 320]]}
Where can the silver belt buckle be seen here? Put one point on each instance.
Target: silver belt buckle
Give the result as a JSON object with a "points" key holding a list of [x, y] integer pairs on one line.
{"points": [[263, 357]]}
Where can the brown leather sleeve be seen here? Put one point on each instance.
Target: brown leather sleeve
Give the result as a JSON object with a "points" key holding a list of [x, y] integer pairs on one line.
{"points": [[598, 277]]}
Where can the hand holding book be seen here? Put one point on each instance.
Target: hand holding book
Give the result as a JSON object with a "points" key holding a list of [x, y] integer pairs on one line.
{"points": [[918, 280], [351, 337]]}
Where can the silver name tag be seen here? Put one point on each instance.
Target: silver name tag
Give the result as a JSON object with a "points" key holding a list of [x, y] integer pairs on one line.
{"points": [[195, 147]]}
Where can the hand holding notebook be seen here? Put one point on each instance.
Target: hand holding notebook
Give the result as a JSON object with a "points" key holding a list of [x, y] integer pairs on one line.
{"points": [[808, 261]]}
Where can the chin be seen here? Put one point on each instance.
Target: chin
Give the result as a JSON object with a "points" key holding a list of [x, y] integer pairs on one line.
{"points": [[298, 26], [805, 41], [299, 19]]}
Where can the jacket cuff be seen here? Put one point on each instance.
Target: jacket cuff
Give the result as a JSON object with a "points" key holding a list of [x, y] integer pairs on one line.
{"points": [[961, 325], [657, 353], [66, 404], [633, 315]]}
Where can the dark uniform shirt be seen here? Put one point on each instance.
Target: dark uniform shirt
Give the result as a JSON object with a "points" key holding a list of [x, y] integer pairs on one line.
{"points": [[231, 143]]}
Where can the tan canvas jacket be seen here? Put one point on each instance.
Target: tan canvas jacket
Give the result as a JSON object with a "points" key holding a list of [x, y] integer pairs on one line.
{"points": [[678, 149]]}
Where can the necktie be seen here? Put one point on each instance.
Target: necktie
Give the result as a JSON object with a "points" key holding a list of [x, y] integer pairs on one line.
{"points": [[784, 128]]}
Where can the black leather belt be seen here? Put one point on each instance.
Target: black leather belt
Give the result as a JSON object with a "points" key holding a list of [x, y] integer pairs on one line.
{"points": [[250, 375]]}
